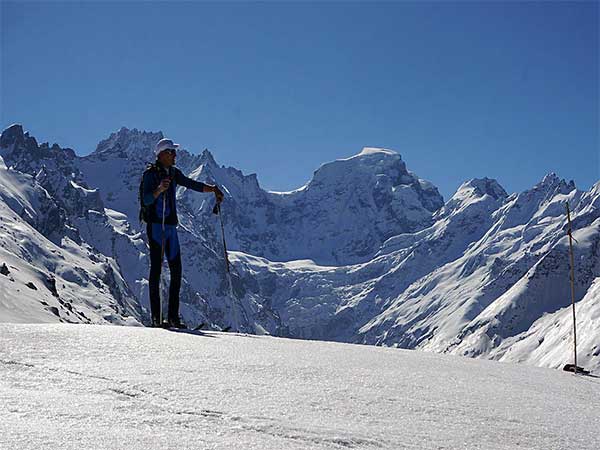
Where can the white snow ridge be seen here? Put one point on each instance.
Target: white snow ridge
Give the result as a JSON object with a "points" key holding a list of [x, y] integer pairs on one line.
{"points": [[366, 252]]}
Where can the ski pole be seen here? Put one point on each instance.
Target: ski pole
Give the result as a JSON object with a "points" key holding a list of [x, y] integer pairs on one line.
{"points": [[217, 210], [162, 255], [236, 318], [571, 238]]}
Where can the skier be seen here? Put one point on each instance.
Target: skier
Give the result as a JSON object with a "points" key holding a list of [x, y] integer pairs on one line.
{"points": [[159, 211]]}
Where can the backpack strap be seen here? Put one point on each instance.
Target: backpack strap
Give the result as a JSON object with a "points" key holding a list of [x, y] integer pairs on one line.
{"points": [[151, 166]]}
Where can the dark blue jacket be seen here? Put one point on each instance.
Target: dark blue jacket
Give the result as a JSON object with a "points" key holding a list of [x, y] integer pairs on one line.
{"points": [[152, 178]]}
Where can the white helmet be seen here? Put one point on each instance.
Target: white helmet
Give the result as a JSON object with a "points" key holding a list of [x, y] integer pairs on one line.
{"points": [[165, 144]]}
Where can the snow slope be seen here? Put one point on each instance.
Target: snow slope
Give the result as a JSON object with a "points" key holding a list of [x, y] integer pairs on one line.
{"points": [[45, 280], [89, 387]]}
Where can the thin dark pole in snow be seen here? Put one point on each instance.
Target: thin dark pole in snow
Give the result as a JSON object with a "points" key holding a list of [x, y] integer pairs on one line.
{"points": [[162, 254], [572, 287], [218, 208], [236, 319]]}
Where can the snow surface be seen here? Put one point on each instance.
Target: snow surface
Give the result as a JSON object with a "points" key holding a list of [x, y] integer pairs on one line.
{"points": [[79, 387]]}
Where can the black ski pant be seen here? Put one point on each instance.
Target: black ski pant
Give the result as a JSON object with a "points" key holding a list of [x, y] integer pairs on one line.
{"points": [[173, 255]]}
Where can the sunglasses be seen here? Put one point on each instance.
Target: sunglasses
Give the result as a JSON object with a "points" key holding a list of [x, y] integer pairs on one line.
{"points": [[172, 151]]}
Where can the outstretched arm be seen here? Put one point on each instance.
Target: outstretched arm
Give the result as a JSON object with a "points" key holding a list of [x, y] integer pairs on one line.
{"points": [[198, 186], [184, 181]]}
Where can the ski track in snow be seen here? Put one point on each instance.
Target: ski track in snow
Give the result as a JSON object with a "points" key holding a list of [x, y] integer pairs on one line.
{"points": [[105, 387]]}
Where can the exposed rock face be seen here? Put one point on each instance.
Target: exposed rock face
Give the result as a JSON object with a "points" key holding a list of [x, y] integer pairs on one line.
{"points": [[55, 169], [26, 155]]}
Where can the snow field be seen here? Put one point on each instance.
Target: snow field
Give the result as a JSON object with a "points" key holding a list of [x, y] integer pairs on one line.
{"points": [[108, 387]]}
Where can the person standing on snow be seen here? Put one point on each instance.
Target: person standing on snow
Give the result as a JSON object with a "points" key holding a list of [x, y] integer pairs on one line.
{"points": [[159, 211]]}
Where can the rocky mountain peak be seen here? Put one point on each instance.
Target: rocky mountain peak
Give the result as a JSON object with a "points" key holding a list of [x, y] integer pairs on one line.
{"points": [[12, 134], [549, 179], [14, 139], [23, 152], [480, 187], [207, 158], [127, 143], [552, 183], [474, 195], [368, 164]]}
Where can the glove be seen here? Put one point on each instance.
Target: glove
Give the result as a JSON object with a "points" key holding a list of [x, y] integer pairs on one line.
{"points": [[219, 194]]}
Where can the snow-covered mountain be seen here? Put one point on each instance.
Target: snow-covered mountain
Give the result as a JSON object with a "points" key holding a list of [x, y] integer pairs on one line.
{"points": [[48, 272], [341, 216], [365, 252], [115, 166], [478, 282], [83, 222]]}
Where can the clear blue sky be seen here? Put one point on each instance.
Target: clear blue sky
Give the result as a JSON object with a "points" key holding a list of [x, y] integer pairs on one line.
{"points": [[507, 90]]}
